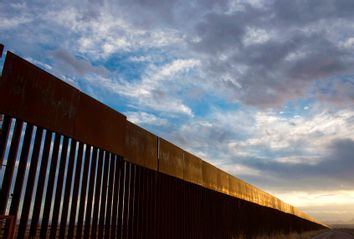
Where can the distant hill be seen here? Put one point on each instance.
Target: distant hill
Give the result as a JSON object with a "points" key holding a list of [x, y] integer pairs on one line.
{"points": [[341, 224]]}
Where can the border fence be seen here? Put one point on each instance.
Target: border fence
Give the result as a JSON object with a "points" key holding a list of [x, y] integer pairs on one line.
{"points": [[74, 168]]}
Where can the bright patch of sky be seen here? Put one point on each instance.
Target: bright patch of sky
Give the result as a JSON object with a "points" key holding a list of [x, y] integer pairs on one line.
{"points": [[261, 89]]}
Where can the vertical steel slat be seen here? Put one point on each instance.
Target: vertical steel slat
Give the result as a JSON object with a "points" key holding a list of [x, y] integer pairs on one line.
{"points": [[16, 197], [40, 184], [158, 207], [50, 187], [115, 196], [121, 199], [90, 193], [150, 198], [174, 219], [83, 192], [104, 195], [146, 207], [97, 195], [164, 208], [189, 222], [133, 207], [163, 201], [129, 200], [136, 215], [69, 176], [4, 134], [30, 183], [135, 232], [126, 200], [10, 165], [75, 195], [110, 198], [150, 219], [155, 203], [143, 204], [170, 207], [175, 222], [58, 193]]}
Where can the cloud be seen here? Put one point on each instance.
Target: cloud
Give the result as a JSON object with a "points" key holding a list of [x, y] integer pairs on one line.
{"points": [[332, 172], [258, 53], [274, 151], [262, 89], [158, 88], [143, 118], [65, 62], [326, 206]]}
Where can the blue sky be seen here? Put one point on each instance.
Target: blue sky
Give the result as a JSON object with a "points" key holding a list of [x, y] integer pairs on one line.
{"points": [[261, 89]]}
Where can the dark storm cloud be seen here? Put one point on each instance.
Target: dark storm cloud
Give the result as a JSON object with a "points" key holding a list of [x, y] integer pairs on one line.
{"points": [[302, 12], [334, 171], [286, 64]]}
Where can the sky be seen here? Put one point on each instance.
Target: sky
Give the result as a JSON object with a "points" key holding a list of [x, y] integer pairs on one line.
{"points": [[261, 89]]}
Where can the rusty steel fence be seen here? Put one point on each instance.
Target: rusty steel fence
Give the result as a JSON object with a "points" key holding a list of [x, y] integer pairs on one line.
{"points": [[74, 168]]}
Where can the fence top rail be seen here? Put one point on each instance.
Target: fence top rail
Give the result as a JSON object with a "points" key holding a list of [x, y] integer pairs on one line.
{"points": [[35, 96]]}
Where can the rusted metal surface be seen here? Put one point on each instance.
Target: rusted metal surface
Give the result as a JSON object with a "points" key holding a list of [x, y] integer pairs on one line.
{"points": [[44, 100], [223, 182], [92, 115], [210, 176], [140, 146], [37, 96], [105, 177], [192, 169], [10, 226], [170, 159]]}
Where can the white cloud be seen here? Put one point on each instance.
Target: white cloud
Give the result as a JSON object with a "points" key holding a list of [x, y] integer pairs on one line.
{"points": [[11, 23], [239, 169], [227, 138], [104, 34], [145, 118], [348, 43], [256, 36], [156, 88]]}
